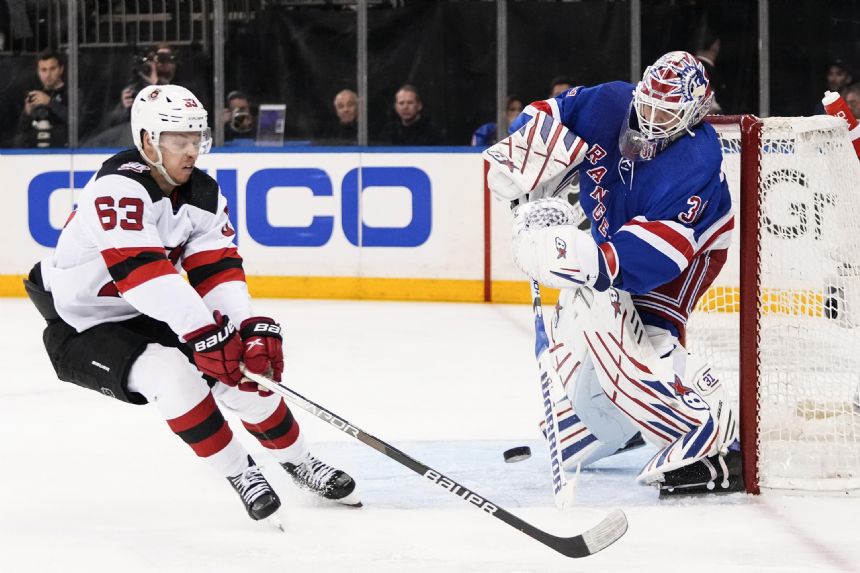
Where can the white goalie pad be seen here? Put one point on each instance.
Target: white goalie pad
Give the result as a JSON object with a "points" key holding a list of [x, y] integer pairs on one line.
{"points": [[537, 160], [673, 398]]}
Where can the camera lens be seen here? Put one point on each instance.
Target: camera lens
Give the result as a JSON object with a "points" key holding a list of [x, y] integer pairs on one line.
{"points": [[41, 113], [240, 120]]}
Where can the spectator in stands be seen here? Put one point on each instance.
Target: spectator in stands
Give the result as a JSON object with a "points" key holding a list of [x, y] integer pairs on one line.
{"points": [[239, 121], [155, 66], [44, 119], [486, 135], [559, 84], [346, 108], [707, 51], [839, 76], [410, 127], [851, 94], [165, 64]]}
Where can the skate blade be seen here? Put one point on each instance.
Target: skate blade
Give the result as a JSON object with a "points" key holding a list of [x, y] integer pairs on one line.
{"points": [[351, 500], [275, 521]]}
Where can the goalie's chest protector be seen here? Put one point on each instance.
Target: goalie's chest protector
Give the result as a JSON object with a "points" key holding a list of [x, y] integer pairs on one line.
{"points": [[614, 190]]}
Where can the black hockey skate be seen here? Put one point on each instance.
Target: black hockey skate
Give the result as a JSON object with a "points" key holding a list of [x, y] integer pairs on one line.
{"points": [[259, 498], [716, 474], [328, 482]]}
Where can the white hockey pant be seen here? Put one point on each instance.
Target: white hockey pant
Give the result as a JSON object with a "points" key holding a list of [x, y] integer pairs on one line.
{"points": [[183, 398], [637, 378]]}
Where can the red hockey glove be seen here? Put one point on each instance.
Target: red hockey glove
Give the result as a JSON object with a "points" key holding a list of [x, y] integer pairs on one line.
{"points": [[217, 350], [263, 351]]}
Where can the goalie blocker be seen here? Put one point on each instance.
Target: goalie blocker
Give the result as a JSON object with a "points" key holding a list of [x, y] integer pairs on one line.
{"points": [[538, 160]]}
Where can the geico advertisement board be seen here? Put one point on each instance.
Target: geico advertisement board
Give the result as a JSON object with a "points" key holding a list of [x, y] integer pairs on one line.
{"points": [[398, 215]]}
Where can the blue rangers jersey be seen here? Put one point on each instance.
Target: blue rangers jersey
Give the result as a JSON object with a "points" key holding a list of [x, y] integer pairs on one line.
{"points": [[666, 222]]}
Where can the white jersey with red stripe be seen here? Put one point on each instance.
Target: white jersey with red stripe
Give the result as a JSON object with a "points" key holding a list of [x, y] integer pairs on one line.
{"points": [[668, 220], [122, 248]]}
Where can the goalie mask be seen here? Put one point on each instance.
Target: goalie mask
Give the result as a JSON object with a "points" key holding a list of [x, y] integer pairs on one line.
{"points": [[161, 109], [673, 96]]}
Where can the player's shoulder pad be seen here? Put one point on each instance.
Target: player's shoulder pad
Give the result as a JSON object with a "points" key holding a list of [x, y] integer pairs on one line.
{"points": [[617, 87], [609, 92], [712, 149], [130, 164], [200, 191]]}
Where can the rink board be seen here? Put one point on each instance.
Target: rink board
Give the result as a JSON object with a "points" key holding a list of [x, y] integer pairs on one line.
{"points": [[377, 224]]}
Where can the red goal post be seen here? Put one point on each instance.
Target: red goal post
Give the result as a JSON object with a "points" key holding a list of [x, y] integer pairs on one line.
{"points": [[780, 321]]}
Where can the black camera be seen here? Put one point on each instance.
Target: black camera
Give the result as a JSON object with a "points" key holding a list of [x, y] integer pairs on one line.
{"points": [[141, 67], [241, 120]]}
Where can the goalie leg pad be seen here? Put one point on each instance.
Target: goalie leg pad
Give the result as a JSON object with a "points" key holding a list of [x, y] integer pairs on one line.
{"points": [[644, 373], [590, 426], [578, 445]]}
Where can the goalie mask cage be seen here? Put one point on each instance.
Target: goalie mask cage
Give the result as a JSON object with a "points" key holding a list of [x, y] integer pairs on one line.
{"points": [[781, 323]]}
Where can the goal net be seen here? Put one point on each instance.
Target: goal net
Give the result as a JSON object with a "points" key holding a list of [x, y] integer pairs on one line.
{"points": [[781, 324]]}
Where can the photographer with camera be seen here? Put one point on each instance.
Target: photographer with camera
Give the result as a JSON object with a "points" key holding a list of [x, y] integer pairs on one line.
{"points": [[44, 119], [155, 66], [239, 122]]}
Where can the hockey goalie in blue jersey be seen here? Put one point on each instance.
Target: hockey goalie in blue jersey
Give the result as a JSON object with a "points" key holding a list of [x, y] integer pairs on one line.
{"points": [[661, 219]]}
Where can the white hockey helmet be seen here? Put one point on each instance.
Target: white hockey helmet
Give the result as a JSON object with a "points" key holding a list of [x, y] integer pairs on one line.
{"points": [[674, 95], [158, 109]]}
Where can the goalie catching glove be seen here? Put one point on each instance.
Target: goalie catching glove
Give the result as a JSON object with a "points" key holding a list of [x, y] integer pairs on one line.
{"points": [[538, 160], [551, 250]]}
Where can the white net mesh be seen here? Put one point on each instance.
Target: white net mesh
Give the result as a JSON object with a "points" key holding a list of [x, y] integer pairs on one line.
{"points": [[809, 347]]}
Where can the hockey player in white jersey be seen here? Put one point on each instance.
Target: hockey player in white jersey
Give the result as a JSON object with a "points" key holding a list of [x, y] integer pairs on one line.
{"points": [[122, 321], [661, 220]]}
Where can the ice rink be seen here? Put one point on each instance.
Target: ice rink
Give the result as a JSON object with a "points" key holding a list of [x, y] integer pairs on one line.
{"points": [[89, 484]]}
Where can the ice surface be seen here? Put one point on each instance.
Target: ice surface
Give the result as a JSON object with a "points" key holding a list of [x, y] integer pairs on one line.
{"points": [[88, 484]]}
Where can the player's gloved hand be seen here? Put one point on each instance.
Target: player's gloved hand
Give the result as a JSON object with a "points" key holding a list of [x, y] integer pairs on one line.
{"points": [[551, 250], [217, 350], [263, 350]]}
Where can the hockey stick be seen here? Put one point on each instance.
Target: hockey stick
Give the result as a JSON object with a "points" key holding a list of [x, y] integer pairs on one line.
{"points": [[609, 530], [563, 491]]}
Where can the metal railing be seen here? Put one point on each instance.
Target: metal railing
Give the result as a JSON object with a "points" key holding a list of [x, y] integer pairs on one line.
{"points": [[35, 25]]}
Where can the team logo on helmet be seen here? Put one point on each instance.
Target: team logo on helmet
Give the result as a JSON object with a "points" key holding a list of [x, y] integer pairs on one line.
{"points": [[154, 94], [693, 83], [677, 78]]}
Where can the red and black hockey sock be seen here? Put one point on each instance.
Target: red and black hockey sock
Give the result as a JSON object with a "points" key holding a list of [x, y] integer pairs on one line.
{"points": [[203, 428], [278, 431]]}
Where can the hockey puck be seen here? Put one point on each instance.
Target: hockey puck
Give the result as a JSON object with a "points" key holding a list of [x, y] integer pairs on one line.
{"points": [[517, 454]]}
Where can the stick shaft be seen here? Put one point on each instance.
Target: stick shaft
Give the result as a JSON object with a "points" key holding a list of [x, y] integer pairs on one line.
{"points": [[576, 546]]}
